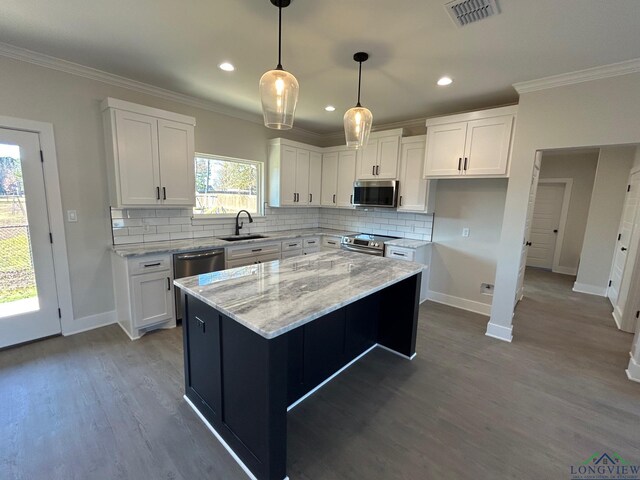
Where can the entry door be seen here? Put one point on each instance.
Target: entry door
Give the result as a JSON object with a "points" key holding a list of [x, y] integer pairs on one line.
{"points": [[533, 190], [28, 296], [626, 244], [545, 225]]}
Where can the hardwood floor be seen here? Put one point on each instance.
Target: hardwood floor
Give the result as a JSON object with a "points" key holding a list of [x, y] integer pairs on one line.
{"points": [[98, 406]]}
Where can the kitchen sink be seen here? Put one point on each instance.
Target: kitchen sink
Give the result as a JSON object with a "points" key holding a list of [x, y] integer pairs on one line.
{"points": [[237, 238]]}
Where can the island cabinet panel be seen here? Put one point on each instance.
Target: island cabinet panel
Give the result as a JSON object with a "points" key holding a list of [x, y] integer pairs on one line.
{"points": [[399, 306], [324, 352], [362, 325]]}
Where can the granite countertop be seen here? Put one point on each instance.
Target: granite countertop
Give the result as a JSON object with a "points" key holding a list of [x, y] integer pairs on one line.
{"points": [[406, 243], [276, 297], [195, 244]]}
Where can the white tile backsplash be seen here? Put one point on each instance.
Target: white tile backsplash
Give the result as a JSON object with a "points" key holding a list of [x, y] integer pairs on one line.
{"points": [[147, 225]]}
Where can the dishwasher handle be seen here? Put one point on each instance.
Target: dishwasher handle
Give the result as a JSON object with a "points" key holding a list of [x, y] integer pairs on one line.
{"points": [[193, 256]]}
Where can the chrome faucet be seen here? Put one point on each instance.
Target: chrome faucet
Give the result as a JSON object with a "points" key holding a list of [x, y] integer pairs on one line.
{"points": [[240, 225]]}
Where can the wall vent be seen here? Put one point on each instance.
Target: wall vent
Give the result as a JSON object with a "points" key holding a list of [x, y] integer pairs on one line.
{"points": [[464, 12]]}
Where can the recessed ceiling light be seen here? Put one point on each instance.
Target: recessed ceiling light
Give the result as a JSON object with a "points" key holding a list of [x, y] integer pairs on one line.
{"points": [[227, 67], [330, 108], [444, 81]]}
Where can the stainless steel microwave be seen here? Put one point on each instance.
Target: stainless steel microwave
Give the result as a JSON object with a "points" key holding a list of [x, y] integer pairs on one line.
{"points": [[375, 193]]}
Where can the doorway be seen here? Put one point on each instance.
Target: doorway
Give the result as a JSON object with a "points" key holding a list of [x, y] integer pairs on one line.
{"points": [[28, 294]]}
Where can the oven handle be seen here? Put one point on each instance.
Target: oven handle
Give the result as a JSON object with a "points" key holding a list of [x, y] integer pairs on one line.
{"points": [[353, 248]]}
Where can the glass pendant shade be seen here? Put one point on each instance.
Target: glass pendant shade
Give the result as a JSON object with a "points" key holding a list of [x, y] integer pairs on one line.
{"points": [[357, 126], [279, 94]]}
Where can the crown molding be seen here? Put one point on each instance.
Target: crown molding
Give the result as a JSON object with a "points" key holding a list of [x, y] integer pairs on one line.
{"points": [[581, 76], [54, 63], [331, 137]]}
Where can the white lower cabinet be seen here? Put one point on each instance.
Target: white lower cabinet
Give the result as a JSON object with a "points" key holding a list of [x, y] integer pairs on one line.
{"points": [[421, 254], [144, 295], [251, 254], [331, 242], [243, 262]]}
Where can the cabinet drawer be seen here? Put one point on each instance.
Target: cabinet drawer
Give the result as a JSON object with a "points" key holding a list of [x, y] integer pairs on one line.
{"points": [[291, 253], [307, 251], [253, 250], [331, 242], [149, 264], [311, 242], [399, 253], [242, 262], [295, 244]]}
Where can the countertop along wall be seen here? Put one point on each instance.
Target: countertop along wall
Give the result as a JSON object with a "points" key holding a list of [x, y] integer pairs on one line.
{"points": [[72, 104], [581, 167]]}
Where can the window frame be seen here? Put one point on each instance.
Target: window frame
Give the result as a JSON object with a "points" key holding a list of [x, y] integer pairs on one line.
{"points": [[260, 186]]}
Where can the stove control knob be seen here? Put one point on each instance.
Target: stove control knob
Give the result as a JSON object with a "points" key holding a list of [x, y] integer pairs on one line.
{"points": [[375, 244]]}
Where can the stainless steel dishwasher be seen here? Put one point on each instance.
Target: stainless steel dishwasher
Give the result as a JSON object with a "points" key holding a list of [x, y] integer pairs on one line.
{"points": [[195, 263]]}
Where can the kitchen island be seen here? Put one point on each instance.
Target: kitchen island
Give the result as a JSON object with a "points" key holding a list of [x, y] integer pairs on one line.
{"points": [[261, 338]]}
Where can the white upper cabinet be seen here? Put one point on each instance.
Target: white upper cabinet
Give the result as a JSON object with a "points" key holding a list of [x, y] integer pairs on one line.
{"points": [[416, 193], [150, 155], [379, 159], [476, 144], [329, 179], [295, 172], [338, 175]]}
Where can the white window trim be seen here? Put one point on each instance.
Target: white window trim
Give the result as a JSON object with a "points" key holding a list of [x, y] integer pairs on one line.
{"points": [[261, 187]]}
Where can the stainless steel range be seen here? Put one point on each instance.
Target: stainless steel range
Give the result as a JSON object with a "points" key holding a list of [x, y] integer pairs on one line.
{"points": [[365, 243]]}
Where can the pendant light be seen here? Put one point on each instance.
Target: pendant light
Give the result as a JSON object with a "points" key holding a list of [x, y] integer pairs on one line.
{"points": [[278, 88], [357, 120]]}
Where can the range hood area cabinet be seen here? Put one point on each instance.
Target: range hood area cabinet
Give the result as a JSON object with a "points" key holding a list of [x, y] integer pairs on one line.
{"points": [[476, 144], [150, 155], [338, 175], [378, 160], [295, 172], [416, 194]]}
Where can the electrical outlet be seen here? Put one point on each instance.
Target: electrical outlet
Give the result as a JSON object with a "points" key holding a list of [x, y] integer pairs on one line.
{"points": [[486, 288], [72, 216], [465, 232]]}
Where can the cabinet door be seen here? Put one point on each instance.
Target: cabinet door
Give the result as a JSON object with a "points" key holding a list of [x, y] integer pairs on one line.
{"points": [[368, 161], [177, 176], [138, 166], [487, 146], [152, 298], [388, 150], [302, 177], [346, 176], [288, 161], [413, 188], [445, 150], [329, 179], [315, 178]]}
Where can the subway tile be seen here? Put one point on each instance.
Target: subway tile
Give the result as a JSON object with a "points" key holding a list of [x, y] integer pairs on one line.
{"points": [[180, 220], [168, 212], [140, 213], [148, 229], [127, 240], [120, 232], [168, 228], [156, 221], [181, 235]]}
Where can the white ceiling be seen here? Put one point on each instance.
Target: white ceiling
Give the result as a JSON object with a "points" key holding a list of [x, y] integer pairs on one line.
{"points": [[178, 45]]}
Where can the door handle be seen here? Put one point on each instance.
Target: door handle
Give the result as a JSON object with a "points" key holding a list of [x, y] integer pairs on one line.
{"points": [[164, 193], [294, 198], [310, 197], [623, 249], [351, 199], [334, 198], [465, 163], [459, 163], [168, 284], [373, 170], [400, 200], [377, 169], [157, 193]]}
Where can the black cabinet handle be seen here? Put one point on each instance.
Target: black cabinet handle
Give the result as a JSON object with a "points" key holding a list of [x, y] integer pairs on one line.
{"points": [[334, 198], [555, 231], [201, 324], [294, 197], [168, 284], [377, 169], [373, 170], [293, 244], [151, 264], [465, 163], [164, 193], [351, 199], [256, 250], [528, 244], [310, 197], [459, 163], [157, 193], [400, 200], [311, 242], [624, 249], [400, 254]]}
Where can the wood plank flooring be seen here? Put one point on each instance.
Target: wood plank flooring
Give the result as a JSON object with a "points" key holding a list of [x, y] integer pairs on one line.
{"points": [[98, 406]]}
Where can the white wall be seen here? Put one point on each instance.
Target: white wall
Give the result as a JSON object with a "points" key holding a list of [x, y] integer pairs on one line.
{"points": [[580, 166], [601, 232], [72, 104], [636, 162], [597, 113], [460, 264]]}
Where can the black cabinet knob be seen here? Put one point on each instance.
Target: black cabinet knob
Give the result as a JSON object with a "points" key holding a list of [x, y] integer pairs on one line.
{"points": [[555, 231], [624, 249]]}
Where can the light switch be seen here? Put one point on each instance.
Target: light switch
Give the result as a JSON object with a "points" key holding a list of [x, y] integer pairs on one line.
{"points": [[465, 232], [72, 216]]}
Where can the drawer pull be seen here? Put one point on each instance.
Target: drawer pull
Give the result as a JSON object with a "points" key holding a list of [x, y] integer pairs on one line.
{"points": [[400, 254], [293, 244], [330, 242], [256, 250], [311, 241], [152, 264]]}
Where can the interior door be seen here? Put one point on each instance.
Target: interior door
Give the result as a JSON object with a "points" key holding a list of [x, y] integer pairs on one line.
{"points": [[545, 224], [626, 248], [445, 149], [346, 176], [315, 178], [176, 163], [302, 177], [487, 146], [138, 158], [28, 295], [329, 179], [527, 227]]}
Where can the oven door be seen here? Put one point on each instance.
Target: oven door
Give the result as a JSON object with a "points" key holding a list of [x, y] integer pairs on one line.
{"points": [[375, 193], [368, 251]]}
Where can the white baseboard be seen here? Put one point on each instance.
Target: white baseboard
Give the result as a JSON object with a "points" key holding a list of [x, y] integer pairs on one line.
{"points": [[633, 371], [499, 332], [90, 322], [590, 289], [617, 314], [565, 270], [458, 302]]}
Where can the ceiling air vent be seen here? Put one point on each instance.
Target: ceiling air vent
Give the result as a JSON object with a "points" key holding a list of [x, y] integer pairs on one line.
{"points": [[465, 12]]}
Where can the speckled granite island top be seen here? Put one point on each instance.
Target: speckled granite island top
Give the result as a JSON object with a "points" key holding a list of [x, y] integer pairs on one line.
{"points": [[276, 297]]}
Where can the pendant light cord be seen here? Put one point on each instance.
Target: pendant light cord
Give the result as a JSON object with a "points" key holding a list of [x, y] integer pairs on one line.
{"points": [[359, 82], [279, 67]]}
